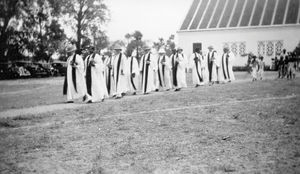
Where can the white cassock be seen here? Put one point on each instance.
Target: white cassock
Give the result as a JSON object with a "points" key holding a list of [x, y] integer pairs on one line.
{"points": [[74, 85], [212, 67], [164, 72], [119, 76], [227, 60], [95, 80], [133, 74], [195, 64], [205, 70], [181, 67], [156, 78], [220, 75], [108, 76], [147, 66]]}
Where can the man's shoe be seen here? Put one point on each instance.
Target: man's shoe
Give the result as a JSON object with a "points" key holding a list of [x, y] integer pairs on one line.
{"points": [[134, 93], [156, 90], [90, 101], [70, 101]]}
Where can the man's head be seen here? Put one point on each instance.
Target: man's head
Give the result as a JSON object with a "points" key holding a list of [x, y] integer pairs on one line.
{"points": [[210, 48], [179, 50], [197, 50], [118, 49], [162, 51], [226, 49], [91, 49], [147, 49], [284, 51], [71, 50]]}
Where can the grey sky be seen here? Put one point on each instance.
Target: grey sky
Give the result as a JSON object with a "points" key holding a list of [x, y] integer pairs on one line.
{"points": [[154, 18]]}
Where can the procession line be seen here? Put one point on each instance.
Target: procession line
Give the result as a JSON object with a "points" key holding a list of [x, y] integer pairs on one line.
{"points": [[162, 110]]}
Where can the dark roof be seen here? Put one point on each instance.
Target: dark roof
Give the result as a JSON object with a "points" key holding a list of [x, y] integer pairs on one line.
{"points": [[223, 14]]}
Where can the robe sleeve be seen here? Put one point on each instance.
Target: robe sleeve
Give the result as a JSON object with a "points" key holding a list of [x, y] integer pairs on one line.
{"points": [[98, 64], [80, 63]]}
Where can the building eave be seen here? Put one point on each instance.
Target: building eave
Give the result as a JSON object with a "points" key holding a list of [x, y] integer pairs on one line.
{"points": [[241, 28]]}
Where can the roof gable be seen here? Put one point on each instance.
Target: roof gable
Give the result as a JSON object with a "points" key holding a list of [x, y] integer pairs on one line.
{"points": [[223, 14]]}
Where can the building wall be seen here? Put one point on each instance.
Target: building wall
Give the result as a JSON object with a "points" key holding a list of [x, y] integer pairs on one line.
{"points": [[260, 41]]}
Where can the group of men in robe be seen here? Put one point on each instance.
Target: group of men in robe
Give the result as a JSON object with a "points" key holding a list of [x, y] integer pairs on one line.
{"points": [[98, 77], [212, 68]]}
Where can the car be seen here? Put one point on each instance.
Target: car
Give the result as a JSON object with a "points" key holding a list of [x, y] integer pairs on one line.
{"points": [[60, 66], [48, 67], [36, 70], [10, 70]]}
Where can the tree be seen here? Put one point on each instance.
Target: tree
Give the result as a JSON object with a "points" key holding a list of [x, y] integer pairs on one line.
{"points": [[128, 37], [11, 11], [161, 43], [85, 13], [136, 43]]}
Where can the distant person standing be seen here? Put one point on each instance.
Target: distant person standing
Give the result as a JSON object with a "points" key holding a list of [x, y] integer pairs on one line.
{"points": [[254, 68], [74, 84], [181, 67], [281, 67], [227, 61], [291, 69], [261, 68]]}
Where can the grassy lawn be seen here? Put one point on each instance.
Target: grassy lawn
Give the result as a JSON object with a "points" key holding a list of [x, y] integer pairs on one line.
{"points": [[233, 128]]}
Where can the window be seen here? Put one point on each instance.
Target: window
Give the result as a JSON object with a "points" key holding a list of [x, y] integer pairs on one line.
{"points": [[269, 48], [238, 48]]}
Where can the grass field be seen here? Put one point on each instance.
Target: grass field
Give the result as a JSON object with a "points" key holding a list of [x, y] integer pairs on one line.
{"points": [[242, 127]]}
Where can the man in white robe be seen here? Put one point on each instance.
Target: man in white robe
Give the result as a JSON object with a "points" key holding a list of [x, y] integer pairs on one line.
{"points": [[94, 74], [118, 73], [108, 76], [195, 62], [74, 84], [227, 61], [212, 67], [133, 72], [164, 70], [147, 69], [181, 70], [174, 66]]}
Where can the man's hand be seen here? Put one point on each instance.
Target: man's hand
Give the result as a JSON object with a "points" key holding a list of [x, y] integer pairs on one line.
{"points": [[122, 72], [133, 75]]}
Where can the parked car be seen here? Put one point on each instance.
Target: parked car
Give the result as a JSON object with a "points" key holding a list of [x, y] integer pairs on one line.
{"points": [[11, 70], [60, 66], [36, 70], [48, 67]]}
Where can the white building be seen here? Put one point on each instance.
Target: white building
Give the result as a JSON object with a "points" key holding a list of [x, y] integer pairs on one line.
{"points": [[263, 27]]}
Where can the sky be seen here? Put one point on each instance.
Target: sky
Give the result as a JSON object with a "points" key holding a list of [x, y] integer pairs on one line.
{"points": [[154, 18]]}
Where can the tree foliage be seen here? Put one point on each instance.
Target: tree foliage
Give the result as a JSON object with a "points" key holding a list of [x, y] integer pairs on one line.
{"points": [[86, 15]]}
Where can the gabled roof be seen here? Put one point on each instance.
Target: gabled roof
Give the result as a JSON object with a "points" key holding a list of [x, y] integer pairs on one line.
{"points": [[225, 14]]}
